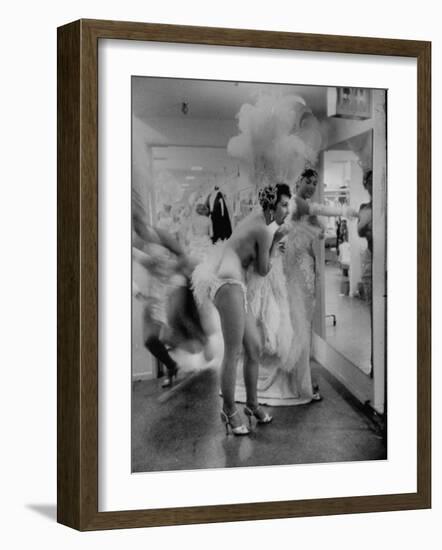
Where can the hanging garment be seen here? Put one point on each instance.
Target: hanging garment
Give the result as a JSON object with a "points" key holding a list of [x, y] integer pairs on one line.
{"points": [[221, 226]]}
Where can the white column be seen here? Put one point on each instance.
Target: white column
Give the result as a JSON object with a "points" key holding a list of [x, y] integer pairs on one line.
{"points": [[319, 316], [379, 250]]}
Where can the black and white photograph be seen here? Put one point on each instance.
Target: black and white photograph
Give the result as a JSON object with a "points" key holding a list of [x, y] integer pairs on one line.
{"points": [[258, 274]]}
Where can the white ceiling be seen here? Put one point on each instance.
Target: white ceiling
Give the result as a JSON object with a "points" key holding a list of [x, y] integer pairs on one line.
{"points": [[199, 137], [216, 100]]}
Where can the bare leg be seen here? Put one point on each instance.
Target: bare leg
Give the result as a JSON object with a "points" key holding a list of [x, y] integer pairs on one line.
{"points": [[208, 316], [229, 301], [252, 346]]}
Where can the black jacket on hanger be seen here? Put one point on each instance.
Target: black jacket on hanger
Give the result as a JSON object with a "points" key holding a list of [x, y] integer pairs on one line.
{"points": [[221, 226]]}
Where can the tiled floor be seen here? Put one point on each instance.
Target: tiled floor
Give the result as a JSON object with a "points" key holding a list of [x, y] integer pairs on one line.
{"points": [[185, 432]]}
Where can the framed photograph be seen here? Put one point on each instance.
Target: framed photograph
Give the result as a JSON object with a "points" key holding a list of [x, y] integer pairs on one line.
{"points": [[243, 275]]}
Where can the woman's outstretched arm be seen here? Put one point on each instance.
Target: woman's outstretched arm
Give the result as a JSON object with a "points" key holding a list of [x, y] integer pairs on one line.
{"points": [[320, 209]]}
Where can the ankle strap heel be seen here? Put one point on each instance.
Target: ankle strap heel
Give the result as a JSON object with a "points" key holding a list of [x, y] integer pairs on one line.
{"points": [[261, 416], [236, 430]]}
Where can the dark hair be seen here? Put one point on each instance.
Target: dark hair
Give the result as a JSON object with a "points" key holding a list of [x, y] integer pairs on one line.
{"points": [[368, 174], [308, 174], [269, 196], [282, 189]]}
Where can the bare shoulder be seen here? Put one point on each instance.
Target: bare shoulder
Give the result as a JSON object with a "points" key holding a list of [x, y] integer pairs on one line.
{"points": [[262, 230], [250, 223], [263, 235], [259, 230]]}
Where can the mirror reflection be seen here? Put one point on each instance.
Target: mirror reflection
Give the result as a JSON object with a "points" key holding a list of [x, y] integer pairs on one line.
{"points": [[348, 250]]}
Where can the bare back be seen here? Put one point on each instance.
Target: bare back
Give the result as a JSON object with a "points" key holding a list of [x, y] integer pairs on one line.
{"points": [[249, 243]]}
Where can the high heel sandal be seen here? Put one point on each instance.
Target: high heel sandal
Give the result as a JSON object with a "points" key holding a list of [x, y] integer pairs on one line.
{"points": [[171, 374], [257, 412], [316, 396], [237, 430]]}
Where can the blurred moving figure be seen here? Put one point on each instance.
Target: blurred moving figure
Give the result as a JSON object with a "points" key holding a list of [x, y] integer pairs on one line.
{"points": [[169, 314]]}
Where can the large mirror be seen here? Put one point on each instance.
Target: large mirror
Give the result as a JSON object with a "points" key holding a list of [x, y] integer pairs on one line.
{"points": [[348, 250]]}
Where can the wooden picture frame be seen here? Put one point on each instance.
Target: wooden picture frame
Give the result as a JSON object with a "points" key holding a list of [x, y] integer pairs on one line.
{"points": [[77, 223]]}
